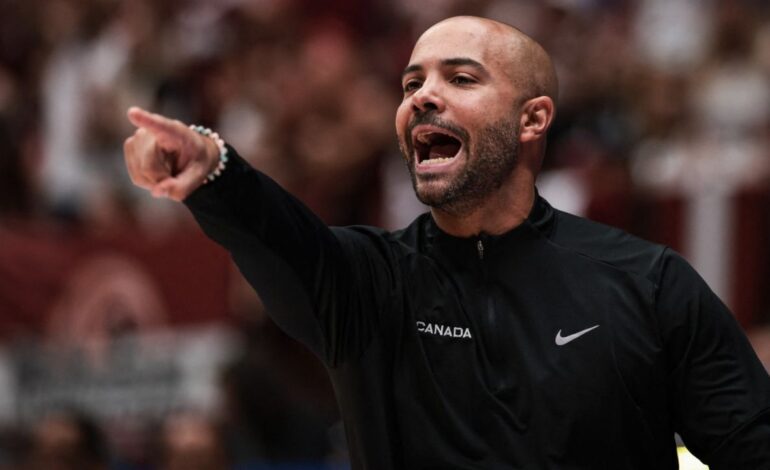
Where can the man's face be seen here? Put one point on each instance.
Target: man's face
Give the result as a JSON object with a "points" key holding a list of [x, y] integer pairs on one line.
{"points": [[458, 123]]}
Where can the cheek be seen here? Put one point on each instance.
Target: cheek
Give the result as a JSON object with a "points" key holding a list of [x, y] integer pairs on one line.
{"points": [[402, 117], [401, 124]]}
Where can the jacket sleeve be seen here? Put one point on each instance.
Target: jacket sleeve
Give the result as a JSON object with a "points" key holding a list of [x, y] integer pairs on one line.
{"points": [[324, 287], [719, 390]]}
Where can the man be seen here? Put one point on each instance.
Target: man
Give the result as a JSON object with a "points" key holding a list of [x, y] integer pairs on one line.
{"points": [[496, 331]]}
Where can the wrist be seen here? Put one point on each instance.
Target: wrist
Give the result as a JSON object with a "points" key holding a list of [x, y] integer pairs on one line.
{"points": [[212, 154], [216, 152]]}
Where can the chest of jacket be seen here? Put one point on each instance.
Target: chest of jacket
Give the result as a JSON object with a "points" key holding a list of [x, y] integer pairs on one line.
{"points": [[528, 344]]}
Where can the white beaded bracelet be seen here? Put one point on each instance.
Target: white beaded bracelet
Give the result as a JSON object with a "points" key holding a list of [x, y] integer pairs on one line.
{"points": [[205, 131]]}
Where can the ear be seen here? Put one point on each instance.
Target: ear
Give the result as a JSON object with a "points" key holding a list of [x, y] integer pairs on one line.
{"points": [[536, 117]]}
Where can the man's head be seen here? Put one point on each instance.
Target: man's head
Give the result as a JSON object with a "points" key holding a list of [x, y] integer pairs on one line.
{"points": [[478, 99]]}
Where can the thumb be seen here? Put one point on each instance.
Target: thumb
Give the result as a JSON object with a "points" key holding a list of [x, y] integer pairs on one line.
{"points": [[182, 185]]}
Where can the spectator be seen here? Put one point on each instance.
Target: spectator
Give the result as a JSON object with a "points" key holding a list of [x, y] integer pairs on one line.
{"points": [[67, 440]]}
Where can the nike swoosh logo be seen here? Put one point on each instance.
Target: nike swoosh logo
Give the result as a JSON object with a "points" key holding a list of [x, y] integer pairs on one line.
{"points": [[562, 340]]}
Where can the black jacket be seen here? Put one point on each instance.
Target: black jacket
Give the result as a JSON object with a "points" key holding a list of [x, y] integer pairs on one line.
{"points": [[562, 344]]}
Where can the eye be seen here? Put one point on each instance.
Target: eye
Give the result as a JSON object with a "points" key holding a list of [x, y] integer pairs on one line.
{"points": [[463, 80], [412, 85]]}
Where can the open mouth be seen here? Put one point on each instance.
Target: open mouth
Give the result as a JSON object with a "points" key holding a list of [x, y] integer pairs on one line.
{"points": [[434, 146]]}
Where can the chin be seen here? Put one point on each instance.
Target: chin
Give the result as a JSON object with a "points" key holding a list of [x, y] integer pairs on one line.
{"points": [[432, 193]]}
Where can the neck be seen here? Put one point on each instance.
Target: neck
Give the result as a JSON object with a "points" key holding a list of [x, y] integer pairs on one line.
{"points": [[500, 212]]}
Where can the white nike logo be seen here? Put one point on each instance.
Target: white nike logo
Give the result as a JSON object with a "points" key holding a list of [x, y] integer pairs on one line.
{"points": [[562, 340]]}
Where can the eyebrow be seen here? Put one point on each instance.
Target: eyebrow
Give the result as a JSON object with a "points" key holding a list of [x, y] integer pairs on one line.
{"points": [[452, 62]]}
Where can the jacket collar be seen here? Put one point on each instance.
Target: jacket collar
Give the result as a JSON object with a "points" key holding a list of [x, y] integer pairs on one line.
{"points": [[539, 222]]}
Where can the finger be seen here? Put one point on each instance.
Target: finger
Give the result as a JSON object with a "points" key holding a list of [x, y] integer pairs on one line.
{"points": [[150, 121], [132, 165], [163, 128], [154, 166], [182, 185], [147, 158]]}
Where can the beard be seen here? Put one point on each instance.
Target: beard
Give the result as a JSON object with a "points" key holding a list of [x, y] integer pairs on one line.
{"points": [[488, 164]]}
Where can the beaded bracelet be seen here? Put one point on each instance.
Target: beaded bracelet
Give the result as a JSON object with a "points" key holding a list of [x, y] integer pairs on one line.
{"points": [[205, 131]]}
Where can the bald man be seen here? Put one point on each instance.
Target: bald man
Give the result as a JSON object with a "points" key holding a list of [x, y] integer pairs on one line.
{"points": [[494, 332]]}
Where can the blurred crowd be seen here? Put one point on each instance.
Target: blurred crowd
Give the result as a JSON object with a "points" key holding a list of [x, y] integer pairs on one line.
{"points": [[663, 129]]}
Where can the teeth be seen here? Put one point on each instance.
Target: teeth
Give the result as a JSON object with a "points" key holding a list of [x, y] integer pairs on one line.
{"points": [[436, 160], [423, 138]]}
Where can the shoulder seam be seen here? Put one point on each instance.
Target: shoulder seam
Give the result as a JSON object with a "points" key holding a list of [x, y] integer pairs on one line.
{"points": [[662, 249]]}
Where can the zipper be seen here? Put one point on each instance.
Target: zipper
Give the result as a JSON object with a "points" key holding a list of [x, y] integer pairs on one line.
{"points": [[493, 331], [492, 325]]}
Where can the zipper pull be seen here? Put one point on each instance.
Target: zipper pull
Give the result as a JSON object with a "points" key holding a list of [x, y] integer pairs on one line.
{"points": [[480, 249]]}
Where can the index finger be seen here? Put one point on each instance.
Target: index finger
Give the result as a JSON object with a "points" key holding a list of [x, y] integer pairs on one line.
{"points": [[155, 123]]}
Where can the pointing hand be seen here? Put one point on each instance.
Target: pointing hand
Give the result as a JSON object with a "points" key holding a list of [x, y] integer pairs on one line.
{"points": [[166, 157]]}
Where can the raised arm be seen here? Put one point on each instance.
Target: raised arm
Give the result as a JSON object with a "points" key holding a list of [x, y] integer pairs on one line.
{"points": [[327, 288]]}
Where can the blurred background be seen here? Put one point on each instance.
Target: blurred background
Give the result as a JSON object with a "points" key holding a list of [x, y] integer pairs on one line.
{"points": [[128, 341]]}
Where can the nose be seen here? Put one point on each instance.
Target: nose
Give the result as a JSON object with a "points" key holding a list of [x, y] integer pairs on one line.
{"points": [[427, 98]]}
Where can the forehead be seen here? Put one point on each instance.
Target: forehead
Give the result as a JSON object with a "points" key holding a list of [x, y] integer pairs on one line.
{"points": [[460, 38]]}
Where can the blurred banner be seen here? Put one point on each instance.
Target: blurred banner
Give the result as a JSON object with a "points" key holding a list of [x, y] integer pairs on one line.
{"points": [[85, 286], [135, 378], [121, 324]]}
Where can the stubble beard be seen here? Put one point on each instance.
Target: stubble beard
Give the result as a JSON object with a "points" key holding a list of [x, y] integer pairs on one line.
{"points": [[488, 166]]}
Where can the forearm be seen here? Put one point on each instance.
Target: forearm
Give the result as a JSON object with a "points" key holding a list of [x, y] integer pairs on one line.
{"points": [[312, 285], [277, 243]]}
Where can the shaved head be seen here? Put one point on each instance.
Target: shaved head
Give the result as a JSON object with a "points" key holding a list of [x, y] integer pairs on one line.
{"points": [[527, 64]]}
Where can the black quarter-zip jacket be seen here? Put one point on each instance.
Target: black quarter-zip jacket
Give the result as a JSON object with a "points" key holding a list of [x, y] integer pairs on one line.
{"points": [[562, 344]]}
